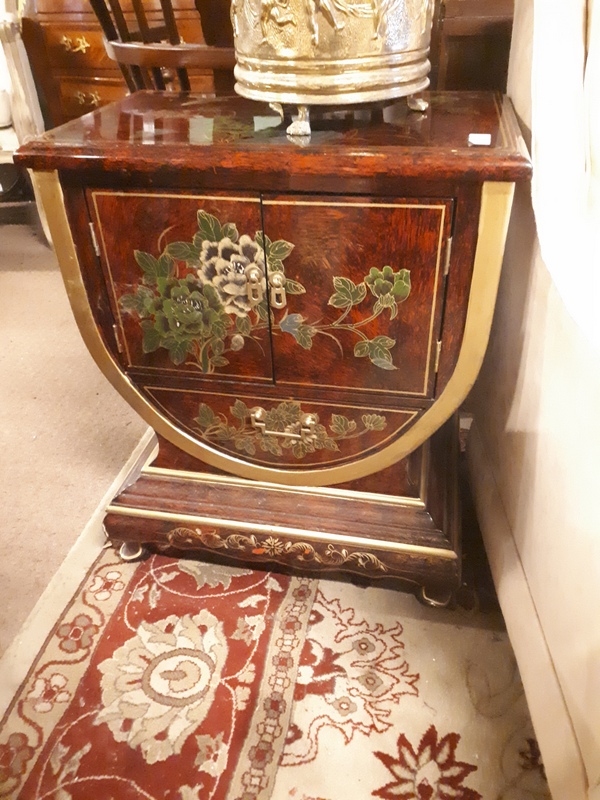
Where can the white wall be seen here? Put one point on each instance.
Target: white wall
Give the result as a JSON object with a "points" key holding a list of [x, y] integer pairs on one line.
{"points": [[536, 477]]}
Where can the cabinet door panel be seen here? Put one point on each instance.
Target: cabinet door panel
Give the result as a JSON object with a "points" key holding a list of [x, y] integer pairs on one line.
{"points": [[363, 290], [176, 267]]}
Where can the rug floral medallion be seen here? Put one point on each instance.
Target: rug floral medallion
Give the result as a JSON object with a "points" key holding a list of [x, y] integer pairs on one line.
{"points": [[177, 680]]}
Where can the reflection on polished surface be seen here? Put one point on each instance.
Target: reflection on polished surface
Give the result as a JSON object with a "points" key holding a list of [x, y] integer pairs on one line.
{"points": [[156, 118]]}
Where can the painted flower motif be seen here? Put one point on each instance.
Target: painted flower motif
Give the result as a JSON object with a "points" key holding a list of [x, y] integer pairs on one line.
{"points": [[45, 692], [385, 281], [431, 772], [103, 586], [212, 754], [77, 635], [14, 756], [158, 687], [189, 310], [223, 265]]}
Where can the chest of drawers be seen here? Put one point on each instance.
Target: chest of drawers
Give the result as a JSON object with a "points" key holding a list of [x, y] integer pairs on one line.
{"points": [[298, 320]]}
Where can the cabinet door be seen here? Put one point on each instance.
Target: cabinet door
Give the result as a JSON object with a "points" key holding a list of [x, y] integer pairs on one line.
{"points": [[356, 288], [186, 280]]}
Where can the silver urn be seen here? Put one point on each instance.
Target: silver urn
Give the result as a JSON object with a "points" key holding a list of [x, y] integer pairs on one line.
{"points": [[331, 52]]}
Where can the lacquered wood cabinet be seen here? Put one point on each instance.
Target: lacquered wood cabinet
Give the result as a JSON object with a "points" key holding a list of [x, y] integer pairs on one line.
{"points": [[299, 320]]}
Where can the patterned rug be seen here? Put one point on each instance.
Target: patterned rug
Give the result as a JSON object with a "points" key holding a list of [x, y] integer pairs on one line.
{"points": [[177, 680]]}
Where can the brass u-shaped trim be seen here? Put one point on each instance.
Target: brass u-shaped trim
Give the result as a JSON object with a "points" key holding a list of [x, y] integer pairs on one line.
{"points": [[496, 200]]}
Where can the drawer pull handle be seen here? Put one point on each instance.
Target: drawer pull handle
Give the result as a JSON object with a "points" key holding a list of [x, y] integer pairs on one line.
{"points": [[80, 45], [88, 98], [277, 284], [301, 431], [254, 288]]}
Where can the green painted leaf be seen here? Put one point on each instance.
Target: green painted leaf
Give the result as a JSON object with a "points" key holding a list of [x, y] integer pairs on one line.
{"points": [[339, 300], [341, 425], [149, 265], [165, 266], [269, 444], [240, 410], [245, 444], [259, 239], [382, 363], [293, 287], [275, 265], [347, 293], [152, 339], [209, 227], [217, 345], [243, 325], [361, 349], [383, 341], [359, 294], [262, 311], [374, 422], [183, 251], [206, 416], [280, 249], [304, 336], [330, 444], [178, 350], [219, 361], [343, 285], [141, 302]]}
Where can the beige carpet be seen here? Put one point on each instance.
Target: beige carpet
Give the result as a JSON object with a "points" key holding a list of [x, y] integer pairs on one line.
{"points": [[64, 432]]}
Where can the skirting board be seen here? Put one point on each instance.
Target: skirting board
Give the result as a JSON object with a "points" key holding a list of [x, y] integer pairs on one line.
{"points": [[550, 716]]}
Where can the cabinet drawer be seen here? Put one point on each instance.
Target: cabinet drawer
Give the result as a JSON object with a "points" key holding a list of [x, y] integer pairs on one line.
{"points": [[79, 95], [76, 48], [286, 434]]}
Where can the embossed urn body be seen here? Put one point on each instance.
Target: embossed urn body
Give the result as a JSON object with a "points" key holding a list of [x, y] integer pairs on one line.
{"points": [[331, 52]]}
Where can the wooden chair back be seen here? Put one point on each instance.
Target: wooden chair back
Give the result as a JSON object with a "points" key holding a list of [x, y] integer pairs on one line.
{"points": [[150, 51]]}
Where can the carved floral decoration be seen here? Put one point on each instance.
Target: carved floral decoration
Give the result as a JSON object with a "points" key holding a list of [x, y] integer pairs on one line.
{"points": [[195, 300]]}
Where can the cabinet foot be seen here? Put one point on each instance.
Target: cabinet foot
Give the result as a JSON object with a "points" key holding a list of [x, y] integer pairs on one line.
{"points": [[132, 551], [435, 599]]}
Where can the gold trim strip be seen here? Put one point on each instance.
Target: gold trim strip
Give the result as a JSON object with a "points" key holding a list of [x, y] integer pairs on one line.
{"points": [[227, 198], [350, 204], [231, 480], [495, 211], [281, 530]]}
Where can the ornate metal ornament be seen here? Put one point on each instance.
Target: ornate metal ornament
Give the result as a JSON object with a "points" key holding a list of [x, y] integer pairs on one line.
{"points": [[331, 52]]}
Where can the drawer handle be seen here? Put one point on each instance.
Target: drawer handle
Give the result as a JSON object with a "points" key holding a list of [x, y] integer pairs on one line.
{"points": [[254, 289], [80, 45], [277, 284], [88, 98], [301, 431]]}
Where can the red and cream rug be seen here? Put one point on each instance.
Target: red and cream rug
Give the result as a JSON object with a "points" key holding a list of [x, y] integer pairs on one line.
{"points": [[177, 680]]}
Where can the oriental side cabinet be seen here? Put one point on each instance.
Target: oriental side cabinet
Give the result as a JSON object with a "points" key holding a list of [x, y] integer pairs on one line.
{"points": [[298, 321]]}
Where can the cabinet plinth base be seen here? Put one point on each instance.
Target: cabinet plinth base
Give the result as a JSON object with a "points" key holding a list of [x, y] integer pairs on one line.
{"points": [[410, 541]]}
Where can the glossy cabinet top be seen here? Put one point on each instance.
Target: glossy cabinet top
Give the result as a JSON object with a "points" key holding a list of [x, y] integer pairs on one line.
{"points": [[461, 134]]}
